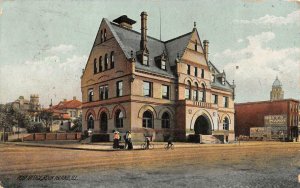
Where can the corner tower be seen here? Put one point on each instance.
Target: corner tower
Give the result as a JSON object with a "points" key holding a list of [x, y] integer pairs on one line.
{"points": [[277, 93]]}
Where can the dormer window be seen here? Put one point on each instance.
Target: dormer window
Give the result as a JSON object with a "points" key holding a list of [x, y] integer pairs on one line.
{"points": [[105, 35], [223, 81], [213, 78], [145, 60], [163, 64], [196, 45], [101, 40]]}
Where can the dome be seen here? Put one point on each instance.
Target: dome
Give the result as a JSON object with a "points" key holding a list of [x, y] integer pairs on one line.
{"points": [[277, 83]]}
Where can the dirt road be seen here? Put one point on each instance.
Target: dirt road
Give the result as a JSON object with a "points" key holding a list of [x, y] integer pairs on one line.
{"points": [[226, 165]]}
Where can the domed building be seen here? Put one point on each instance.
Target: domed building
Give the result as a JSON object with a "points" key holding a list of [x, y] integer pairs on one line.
{"points": [[277, 93]]}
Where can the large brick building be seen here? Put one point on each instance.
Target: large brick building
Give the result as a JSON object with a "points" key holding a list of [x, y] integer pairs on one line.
{"points": [[155, 88], [257, 114]]}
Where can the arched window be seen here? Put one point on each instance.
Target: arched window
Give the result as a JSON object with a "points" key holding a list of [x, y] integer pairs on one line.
{"points": [[95, 66], [188, 91], [112, 60], [165, 120], [226, 124], [103, 122], [195, 93], [90, 95], [101, 40], [148, 119], [119, 119], [203, 93], [90, 122], [105, 35], [100, 64], [106, 62]]}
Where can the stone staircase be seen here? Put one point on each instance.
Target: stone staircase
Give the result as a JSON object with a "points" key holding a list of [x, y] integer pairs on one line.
{"points": [[210, 139]]}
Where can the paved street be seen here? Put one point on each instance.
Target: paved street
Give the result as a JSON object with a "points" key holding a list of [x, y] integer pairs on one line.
{"points": [[265, 164]]}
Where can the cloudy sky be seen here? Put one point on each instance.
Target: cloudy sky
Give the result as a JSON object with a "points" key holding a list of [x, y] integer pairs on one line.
{"points": [[44, 45]]}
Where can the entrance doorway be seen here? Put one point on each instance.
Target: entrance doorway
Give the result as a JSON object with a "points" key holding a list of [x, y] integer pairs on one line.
{"points": [[202, 126], [103, 122]]}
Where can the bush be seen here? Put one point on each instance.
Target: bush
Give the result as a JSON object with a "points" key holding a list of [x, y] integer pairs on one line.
{"points": [[36, 127]]}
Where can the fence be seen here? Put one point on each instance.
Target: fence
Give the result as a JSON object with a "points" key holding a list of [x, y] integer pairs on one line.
{"points": [[52, 136]]}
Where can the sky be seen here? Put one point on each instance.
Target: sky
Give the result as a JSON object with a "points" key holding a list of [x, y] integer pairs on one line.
{"points": [[44, 45]]}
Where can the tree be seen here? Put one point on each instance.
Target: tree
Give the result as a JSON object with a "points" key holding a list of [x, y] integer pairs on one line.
{"points": [[7, 117], [77, 124], [47, 118]]}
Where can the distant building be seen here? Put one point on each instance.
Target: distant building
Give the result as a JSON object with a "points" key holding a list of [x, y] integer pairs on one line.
{"points": [[155, 88], [67, 109], [280, 116], [276, 93], [32, 107]]}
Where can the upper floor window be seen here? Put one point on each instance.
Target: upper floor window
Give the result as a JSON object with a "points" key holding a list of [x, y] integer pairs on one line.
{"points": [[95, 66], [100, 64], [203, 93], [112, 60], [105, 35], [165, 92], [101, 40], [188, 91], [202, 73], [147, 89], [195, 93], [196, 45], [119, 88], [214, 99], [90, 95], [188, 69], [163, 64], [196, 71], [106, 62], [225, 102], [103, 92]]}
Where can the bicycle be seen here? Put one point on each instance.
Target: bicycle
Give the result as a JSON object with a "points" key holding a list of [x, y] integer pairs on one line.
{"points": [[144, 146], [167, 146]]}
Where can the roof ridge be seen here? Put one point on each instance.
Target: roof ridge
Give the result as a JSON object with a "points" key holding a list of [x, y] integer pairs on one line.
{"points": [[135, 32], [178, 37]]}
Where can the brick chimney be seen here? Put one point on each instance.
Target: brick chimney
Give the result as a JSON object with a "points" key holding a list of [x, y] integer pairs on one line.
{"points": [[205, 42], [143, 44]]}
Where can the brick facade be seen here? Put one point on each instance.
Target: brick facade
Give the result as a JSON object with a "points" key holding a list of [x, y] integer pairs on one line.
{"points": [[128, 67], [252, 114]]}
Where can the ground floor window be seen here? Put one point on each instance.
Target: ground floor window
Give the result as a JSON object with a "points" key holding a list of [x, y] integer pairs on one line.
{"points": [[119, 119], [90, 122], [165, 120], [148, 119], [226, 124]]}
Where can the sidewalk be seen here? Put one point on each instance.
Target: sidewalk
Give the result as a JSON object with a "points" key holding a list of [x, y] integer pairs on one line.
{"points": [[107, 146]]}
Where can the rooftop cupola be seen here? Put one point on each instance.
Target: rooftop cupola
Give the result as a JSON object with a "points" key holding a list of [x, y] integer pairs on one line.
{"points": [[124, 21]]}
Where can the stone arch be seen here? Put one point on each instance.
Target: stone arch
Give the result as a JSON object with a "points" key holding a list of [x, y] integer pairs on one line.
{"points": [[196, 81], [198, 113], [145, 108], [90, 112], [118, 107], [188, 79], [223, 117], [103, 109], [166, 109]]}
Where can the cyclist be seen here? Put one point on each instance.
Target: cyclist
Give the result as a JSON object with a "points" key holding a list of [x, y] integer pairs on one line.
{"points": [[147, 142], [170, 142]]}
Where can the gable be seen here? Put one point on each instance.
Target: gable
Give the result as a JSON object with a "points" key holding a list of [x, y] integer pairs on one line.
{"points": [[194, 51]]}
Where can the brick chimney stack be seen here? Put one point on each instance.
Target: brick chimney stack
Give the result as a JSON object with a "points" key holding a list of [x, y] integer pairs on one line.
{"points": [[205, 42], [143, 44]]}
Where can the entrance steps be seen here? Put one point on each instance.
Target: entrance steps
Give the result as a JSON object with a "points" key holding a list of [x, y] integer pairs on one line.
{"points": [[210, 139]]}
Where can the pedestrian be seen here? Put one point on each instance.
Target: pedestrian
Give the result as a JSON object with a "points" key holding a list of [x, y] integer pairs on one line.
{"points": [[116, 140], [126, 139], [130, 146]]}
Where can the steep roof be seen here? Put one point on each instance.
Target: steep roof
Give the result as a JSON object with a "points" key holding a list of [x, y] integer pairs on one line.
{"points": [[71, 104], [218, 83]]}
